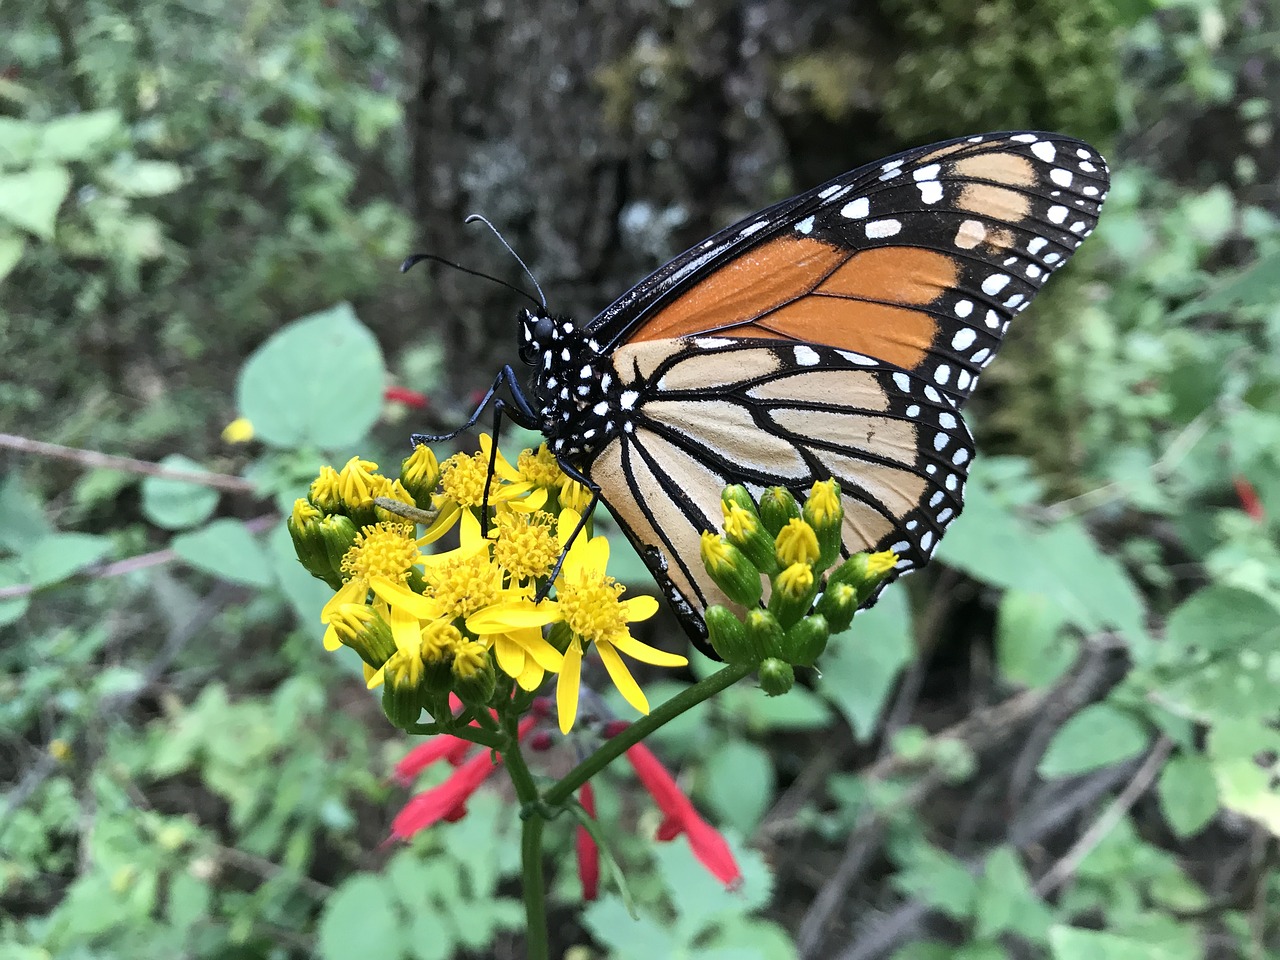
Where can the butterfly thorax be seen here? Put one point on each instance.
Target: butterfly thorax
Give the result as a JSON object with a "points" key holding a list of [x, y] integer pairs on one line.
{"points": [[577, 397]]}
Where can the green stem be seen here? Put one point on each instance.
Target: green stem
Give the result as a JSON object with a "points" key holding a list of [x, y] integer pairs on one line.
{"points": [[628, 738], [485, 738], [535, 898]]}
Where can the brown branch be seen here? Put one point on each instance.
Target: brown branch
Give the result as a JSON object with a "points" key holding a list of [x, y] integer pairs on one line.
{"points": [[107, 461]]}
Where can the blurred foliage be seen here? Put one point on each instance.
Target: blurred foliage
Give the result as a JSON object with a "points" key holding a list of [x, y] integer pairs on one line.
{"points": [[1063, 744]]}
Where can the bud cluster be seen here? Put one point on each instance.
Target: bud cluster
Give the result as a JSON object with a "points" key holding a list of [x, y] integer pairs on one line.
{"points": [[791, 550]]}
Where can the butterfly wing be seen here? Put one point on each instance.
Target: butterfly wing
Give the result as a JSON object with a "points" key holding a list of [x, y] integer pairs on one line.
{"points": [[717, 411], [835, 334], [920, 260]]}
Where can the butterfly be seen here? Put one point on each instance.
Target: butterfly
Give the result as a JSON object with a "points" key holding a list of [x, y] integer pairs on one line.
{"points": [[836, 334]]}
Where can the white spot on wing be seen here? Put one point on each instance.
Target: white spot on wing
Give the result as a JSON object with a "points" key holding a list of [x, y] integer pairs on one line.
{"points": [[1057, 213], [879, 229], [1043, 150], [930, 191], [806, 356], [963, 308], [856, 209], [964, 338], [805, 226], [994, 284], [903, 382], [753, 228]]}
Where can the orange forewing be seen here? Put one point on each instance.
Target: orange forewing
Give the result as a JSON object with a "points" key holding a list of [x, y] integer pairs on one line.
{"points": [[803, 289]]}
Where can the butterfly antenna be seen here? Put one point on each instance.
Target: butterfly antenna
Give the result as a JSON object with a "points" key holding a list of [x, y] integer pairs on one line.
{"points": [[434, 258], [503, 240]]}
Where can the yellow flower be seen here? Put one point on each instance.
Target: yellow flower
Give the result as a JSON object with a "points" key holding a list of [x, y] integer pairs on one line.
{"points": [[574, 496], [379, 561], [589, 602], [239, 430], [540, 468], [463, 480], [526, 547], [797, 543], [326, 490], [739, 523], [358, 484]]}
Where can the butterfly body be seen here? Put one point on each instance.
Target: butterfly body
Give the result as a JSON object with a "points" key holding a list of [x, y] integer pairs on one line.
{"points": [[835, 334]]}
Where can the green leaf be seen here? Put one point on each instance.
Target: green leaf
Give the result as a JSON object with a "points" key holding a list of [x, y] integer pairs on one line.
{"points": [[226, 549], [757, 939], [59, 556], [1074, 943], [938, 879], [739, 784], [143, 178], [13, 610], [1188, 793], [305, 593], [317, 382], [22, 519], [12, 245], [79, 136], [798, 710], [30, 200], [860, 666], [20, 139], [1030, 645], [358, 921], [1006, 902], [177, 504], [1098, 736], [1242, 753]]}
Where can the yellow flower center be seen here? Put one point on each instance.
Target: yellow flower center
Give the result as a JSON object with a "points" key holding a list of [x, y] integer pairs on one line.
{"points": [[540, 468], [357, 483], [304, 513], [881, 562], [326, 489], [383, 550], [824, 502], [526, 547], [797, 543], [421, 469], [463, 479], [715, 552], [796, 580], [591, 607], [739, 523], [439, 641], [462, 586], [404, 669], [470, 658]]}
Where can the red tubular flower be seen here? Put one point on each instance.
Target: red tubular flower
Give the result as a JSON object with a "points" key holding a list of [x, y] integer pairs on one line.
{"points": [[1250, 502], [707, 844], [448, 801], [410, 398], [443, 747], [588, 852]]}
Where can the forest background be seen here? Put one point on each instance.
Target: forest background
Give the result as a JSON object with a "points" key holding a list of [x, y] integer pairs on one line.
{"points": [[1057, 741]]}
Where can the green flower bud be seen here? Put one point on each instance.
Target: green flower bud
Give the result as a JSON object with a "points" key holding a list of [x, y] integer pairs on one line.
{"points": [[402, 705], [743, 529], [796, 542], [776, 677], [364, 630], [864, 572], [737, 493], [728, 636], [731, 570], [764, 633], [793, 592], [804, 642], [824, 512], [838, 605], [777, 506], [420, 475], [308, 542], [440, 642], [326, 491], [339, 536], [474, 676]]}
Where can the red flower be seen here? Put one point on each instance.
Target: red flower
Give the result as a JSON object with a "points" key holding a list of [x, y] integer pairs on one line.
{"points": [[707, 844], [588, 852], [410, 398], [1250, 502], [448, 801]]}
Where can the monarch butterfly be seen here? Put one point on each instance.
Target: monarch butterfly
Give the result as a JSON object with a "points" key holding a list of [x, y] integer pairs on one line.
{"points": [[834, 334]]}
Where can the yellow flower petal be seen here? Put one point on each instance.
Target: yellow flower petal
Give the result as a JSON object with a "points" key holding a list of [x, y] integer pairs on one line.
{"points": [[444, 522], [567, 686], [531, 679], [398, 596], [406, 629], [622, 678], [640, 608], [504, 617], [510, 656], [642, 651], [353, 591], [331, 641], [543, 654]]}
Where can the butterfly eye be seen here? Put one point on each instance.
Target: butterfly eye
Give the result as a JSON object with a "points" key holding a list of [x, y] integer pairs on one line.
{"points": [[544, 331]]}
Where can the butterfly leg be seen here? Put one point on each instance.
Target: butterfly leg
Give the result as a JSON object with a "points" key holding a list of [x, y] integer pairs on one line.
{"points": [[523, 414], [573, 474]]}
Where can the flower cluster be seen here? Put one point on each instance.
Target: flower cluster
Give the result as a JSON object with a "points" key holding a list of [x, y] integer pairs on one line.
{"points": [[771, 560], [483, 621]]}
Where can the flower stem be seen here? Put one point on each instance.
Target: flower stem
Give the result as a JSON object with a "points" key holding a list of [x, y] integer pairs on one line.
{"points": [[628, 738], [534, 885]]}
